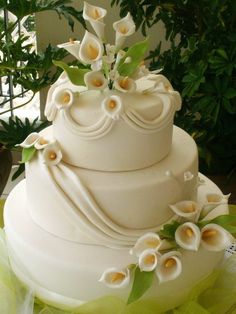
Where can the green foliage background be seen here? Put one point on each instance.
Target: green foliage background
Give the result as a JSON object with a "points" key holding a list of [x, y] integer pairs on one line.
{"points": [[201, 64]]}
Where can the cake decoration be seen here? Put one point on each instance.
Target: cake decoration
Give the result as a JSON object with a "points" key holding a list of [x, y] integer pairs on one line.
{"points": [[113, 176], [188, 232], [52, 154]]}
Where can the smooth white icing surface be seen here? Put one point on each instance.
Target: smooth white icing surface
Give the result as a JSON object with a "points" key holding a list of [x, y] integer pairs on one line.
{"points": [[72, 269], [110, 208], [89, 138]]}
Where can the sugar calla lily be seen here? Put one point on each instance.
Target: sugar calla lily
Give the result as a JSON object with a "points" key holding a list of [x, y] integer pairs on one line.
{"points": [[186, 209], [95, 80], [148, 260], [95, 15], [212, 201], [124, 28], [115, 278], [125, 84], [113, 107], [188, 236], [30, 140], [215, 238], [41, 143], [91, 49], [52, 155], [63, 98], [169, 266], [72, 47], [149, 241]]}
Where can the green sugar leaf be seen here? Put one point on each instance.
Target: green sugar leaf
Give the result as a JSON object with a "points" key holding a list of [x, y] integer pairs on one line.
{"points": [[142, 282], [27, 154], [75, 75], [168, 230], [228, 222], [136, 53]]}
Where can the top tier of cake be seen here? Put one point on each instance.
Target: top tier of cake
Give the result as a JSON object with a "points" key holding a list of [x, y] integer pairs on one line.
{"points": [[112, 114], [112, 130]]}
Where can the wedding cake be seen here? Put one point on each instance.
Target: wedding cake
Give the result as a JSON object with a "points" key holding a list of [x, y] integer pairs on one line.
{"points": [[112, 203]]}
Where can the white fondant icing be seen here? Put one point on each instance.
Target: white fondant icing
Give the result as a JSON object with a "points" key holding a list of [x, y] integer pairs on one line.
{"points": [[108, 207], [70, 269], [143, 131]]}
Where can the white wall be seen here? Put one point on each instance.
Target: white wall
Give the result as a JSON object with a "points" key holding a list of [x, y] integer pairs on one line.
{"points": [[50, 29]]}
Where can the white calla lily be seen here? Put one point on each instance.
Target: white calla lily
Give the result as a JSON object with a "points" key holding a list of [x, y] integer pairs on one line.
{"points": [[113, 107], [95, 15], [115, 278], [124, 28], [63, 98], [72, 46], [52, 154], [186, 209], [212, 201], [148, 260], [91, 49], [125, 84], [215, 238], [41, 143], [169, 266], [149, 241], [95, 80], [188, 236], [30, 140]]}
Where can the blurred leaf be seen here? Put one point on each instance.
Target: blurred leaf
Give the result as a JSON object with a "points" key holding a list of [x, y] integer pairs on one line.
{"points": [[142, 282]]}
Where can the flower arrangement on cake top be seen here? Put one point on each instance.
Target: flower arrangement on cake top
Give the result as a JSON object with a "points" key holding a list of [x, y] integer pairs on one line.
{"points": [[109, 65]]}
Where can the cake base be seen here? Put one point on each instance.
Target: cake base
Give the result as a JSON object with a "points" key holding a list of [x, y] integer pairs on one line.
{"points": [[66, 273]]}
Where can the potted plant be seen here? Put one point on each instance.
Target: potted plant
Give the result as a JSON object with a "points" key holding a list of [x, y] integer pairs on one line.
{"points": [[13, 132], [27, 67], [201, 64]]}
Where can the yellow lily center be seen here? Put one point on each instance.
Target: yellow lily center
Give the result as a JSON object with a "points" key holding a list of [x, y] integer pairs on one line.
{"points": [[92, 52], [189, 208], [117, 277], [189, 232], [209, 233], [97, 82], [124, 83], [95, 14], [149, 260], [71, 40], [52, 156], [152, 243], [213, 198], [123, 29], [112, 104], [170, 262], [66, 98], [42, 141]]}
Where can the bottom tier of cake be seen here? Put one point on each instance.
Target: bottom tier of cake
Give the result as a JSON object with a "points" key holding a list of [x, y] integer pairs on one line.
{"points": [[66, 273]]}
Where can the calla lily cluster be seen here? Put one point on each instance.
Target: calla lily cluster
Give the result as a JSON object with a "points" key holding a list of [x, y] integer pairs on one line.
{"points": [[167, 266], [188, 232], [189, 236], [103, 58], [51, 152]]}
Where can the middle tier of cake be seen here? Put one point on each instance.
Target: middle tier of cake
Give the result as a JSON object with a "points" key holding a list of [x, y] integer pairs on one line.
{"points": [[111, 208]]}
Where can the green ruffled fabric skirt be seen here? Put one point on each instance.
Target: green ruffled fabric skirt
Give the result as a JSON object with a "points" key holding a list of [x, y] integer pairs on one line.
{"points": [[216, 294]]}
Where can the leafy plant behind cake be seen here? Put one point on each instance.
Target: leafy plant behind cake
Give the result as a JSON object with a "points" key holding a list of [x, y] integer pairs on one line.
{"points": [[201, 64]]}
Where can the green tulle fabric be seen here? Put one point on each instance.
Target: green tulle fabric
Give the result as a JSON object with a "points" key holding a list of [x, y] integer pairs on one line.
{"points": [[216, 294]]}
